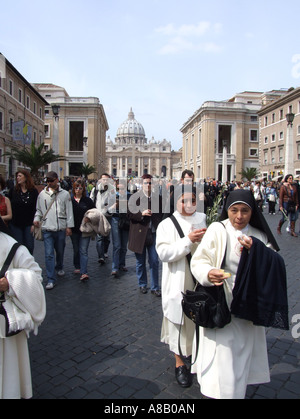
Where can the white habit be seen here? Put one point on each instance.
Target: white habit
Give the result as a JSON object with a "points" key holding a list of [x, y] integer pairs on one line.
{"points": [[176, 278], [26, 308], [230, 358]]}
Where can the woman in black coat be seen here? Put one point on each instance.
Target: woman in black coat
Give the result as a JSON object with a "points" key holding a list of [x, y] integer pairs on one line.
{"points": [[81, 204]]}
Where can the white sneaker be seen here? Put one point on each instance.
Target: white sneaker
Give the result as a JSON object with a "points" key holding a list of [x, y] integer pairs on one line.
{"points": [[50, 286], [61, 273]]}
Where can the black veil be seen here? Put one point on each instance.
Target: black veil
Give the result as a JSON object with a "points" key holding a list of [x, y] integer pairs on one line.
{"points": [[257, 219]]}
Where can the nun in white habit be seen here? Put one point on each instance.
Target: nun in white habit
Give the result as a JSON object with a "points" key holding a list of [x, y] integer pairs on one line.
{"points": [[176, 275], [231, 358], [26, 309]]}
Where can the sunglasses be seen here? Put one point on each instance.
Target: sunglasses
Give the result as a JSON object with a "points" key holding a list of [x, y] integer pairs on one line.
{"points": [[49, 180]]}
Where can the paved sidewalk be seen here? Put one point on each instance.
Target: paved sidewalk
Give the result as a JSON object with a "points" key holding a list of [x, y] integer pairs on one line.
{"points": [[101, 339]]}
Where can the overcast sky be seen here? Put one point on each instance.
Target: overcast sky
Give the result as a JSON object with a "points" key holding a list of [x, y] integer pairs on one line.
{"points": [[163, 58]]}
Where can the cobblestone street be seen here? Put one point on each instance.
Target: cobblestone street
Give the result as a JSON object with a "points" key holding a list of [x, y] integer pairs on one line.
{"points": [[101, 339]]}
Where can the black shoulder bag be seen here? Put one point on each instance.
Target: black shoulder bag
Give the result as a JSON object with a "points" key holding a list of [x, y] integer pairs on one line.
{"points": [[205, 306], [2, 294]]}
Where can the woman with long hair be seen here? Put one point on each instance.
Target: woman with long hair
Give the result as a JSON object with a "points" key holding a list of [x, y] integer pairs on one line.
{"points": [[288, 204], [81, 204], [23, 199]]}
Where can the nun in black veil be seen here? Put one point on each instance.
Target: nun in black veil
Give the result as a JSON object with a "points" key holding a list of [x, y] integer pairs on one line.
{"points": [[25, 306], [257, 219], [233, 357]]}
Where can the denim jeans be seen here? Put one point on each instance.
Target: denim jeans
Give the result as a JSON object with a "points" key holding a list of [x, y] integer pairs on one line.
{"points": [[80, 252], [292, 215], [120, 241], [102, 243], [23, 236], [54, 243], [141, 270]]}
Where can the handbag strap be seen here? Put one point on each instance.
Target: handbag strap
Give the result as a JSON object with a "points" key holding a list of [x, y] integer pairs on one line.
{"points": [[6, 264], [52, 202]]}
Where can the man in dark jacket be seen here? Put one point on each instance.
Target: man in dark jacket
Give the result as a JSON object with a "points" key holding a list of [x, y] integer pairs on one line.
{"points": [[145, 213]]}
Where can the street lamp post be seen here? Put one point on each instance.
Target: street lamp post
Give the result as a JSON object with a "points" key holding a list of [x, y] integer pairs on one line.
{"points": [[55, 140], [289, 145]]}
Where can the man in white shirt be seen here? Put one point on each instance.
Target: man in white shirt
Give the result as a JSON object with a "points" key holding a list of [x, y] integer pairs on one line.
{"points": [[55, 226]]}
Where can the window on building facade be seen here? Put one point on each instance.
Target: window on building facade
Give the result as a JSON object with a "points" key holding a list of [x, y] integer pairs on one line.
{"points": [[266, 121], [11, 89], [1, 121], [273, 138], [298, 151], [281, 136], [253, 135], [20, 95], [253, 152], [281, 114], [265, 157], [266, 140], [272, 156], [199, 142], [273, 118], [76, 134], [280, 154]]}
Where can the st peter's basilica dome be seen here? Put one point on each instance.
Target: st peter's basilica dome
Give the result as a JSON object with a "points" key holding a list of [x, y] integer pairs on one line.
{"points": [[131, 128]]}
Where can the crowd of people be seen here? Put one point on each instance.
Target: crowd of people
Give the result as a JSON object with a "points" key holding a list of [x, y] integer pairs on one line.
{"points": [[142, 216]]}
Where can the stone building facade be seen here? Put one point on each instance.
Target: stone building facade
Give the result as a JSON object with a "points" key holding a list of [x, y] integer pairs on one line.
{"points": [[78, 132], [131, 155], [22, 111], [225, 128], [275, 134]]}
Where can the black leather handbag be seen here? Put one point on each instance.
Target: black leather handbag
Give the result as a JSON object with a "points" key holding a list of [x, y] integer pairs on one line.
{"points": [[205, 306], [2, 294]]}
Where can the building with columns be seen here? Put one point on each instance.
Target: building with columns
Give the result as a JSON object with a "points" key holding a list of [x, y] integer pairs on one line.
{"points": [[130, 154], [222, 137], [78, 131]]}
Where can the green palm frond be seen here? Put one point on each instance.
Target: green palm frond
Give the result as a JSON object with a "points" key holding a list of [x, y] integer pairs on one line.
{"points": [[212, 213], [34, 157], [87, 170]]}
